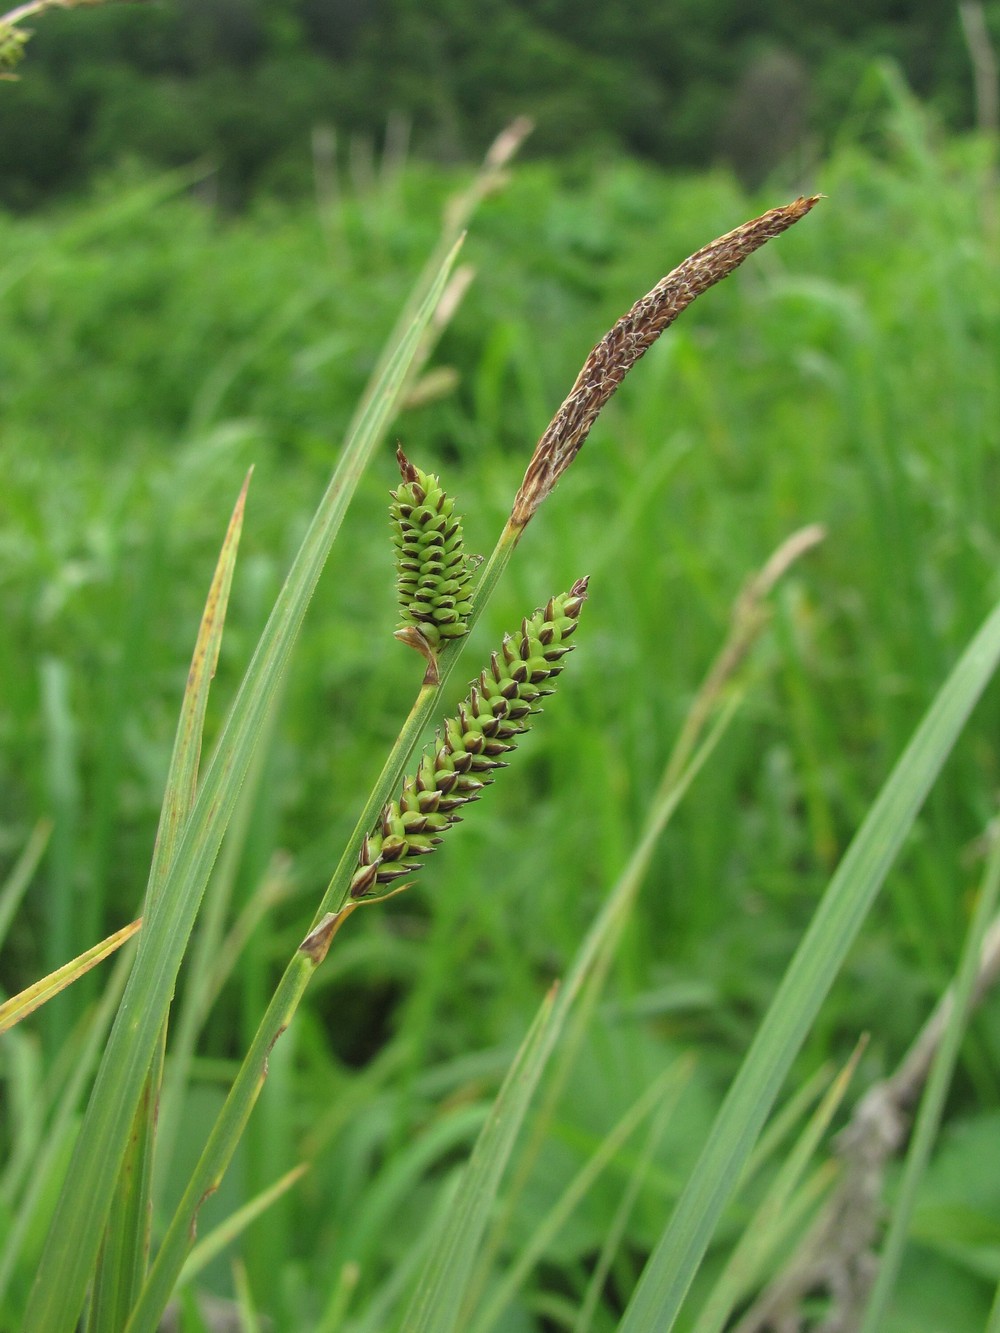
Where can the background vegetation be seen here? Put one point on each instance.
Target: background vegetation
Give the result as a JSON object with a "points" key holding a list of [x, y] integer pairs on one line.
{"points": [[151, 348], [246, 82]]}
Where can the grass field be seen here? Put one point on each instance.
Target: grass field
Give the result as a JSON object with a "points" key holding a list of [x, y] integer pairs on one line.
{"points": [[150, 351]]}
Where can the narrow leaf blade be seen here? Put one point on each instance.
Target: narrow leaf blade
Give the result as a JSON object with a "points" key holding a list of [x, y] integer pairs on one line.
{"points": [[845, 904]]}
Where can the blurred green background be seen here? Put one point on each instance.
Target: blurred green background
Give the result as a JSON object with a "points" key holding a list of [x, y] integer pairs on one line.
{"points": [[163, 326], [247, 83]]}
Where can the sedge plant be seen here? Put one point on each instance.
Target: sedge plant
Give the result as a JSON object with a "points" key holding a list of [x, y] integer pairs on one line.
{"points": [[99, 1257], [97, 1242], [98, 1239]]}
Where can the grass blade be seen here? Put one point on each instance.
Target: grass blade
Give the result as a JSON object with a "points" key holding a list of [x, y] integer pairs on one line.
{"points": [[614, 1235], [848, 898], [40, 992], [26, 1187], [438, 1299], [124, 1250], [932, 1103], [71, 1248], [182, 775], [224, 1234], [777, 1216], [663, 1095]]}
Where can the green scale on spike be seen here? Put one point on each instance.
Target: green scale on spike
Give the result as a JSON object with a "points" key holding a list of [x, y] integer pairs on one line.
{"points": [[433, 574]]}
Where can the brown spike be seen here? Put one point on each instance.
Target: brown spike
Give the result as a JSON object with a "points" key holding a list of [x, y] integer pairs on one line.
{"points": [[632, 336]]}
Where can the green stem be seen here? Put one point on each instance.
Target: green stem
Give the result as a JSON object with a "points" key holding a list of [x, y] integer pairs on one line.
{"points": [[221, 1145]]}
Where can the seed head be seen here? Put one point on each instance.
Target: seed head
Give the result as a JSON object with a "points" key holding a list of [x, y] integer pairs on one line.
{"points": [[629, 339], [497, 710], [433, 574]]}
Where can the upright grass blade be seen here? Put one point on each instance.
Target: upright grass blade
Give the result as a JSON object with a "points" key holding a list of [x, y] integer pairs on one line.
{"points": [[26, 1192], [614, 1233], [662, 1094], [125, 1248], [847, 900], [210, 960], [779, 1215], [222, 1236], [438, 1299], [63, 797], [71, 1248], [182, 775]]}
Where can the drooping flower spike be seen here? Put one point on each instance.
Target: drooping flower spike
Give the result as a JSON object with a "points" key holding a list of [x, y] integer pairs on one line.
{"points": [[498, 709], [433, 574]]}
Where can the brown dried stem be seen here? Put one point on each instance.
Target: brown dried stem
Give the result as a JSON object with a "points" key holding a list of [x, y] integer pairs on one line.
{"points": [[630, 338]]}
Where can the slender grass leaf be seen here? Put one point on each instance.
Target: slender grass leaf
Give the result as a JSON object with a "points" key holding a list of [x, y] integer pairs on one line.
{"points": [[40, 992], [779, 1213], [26, 1190], [211, 958], [226, 1232], [665, 1090], [614, 1234], [182, 775], [124, 1251], [249, 1319], [845, 904], [437, 1302]]}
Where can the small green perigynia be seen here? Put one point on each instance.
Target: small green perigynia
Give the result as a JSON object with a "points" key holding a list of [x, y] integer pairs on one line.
{"points": [[497, 710], [433, 573]]}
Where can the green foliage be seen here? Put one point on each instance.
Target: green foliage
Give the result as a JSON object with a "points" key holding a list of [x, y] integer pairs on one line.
{"points": [[244, 84], [433, 578], [150, 350]]}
